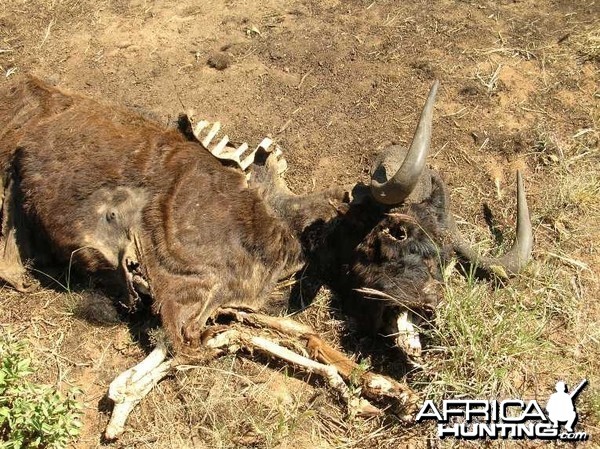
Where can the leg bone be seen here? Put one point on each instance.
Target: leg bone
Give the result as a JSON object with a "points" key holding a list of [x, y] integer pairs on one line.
{"points": [[233, 338], [131, 386], [375, 386]]}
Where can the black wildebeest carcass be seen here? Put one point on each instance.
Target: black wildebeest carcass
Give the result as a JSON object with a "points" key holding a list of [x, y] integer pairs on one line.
{"points": [[107, 190]]}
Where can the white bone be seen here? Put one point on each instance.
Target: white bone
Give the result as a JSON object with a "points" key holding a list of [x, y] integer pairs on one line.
{"points": [[234, 338], [218, 149], [211, 134], [131, 386], [240, 150], [199, 127], [247, 161], [407, 335], [233, 155], [265, 143]]}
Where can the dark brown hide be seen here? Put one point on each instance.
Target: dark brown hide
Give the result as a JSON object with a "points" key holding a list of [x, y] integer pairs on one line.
{"points": [[94, 179]]}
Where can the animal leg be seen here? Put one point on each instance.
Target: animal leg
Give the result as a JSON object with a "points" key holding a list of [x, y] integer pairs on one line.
{"points": [[12, 267], [234, 339], [374, 386], [131, 386]]}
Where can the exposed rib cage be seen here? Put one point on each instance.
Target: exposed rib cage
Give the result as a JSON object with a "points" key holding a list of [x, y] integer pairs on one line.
{"points": [[223, 148]]}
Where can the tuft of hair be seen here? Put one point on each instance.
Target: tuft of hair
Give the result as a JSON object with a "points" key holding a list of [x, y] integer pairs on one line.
{"points": [[97, 308]]}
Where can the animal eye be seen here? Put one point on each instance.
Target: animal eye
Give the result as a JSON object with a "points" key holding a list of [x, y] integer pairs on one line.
{"points": [[111, 215]]}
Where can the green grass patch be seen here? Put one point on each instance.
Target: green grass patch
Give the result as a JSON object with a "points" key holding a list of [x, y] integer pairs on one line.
{"points": [[32, 415], [484, 341]]}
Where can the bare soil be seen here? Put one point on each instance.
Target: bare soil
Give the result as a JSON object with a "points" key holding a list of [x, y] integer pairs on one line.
{"points": [[332, 82]]}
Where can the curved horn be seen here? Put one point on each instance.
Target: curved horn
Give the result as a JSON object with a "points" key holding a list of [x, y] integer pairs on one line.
{"points": [[517, 257], [395, 190]]}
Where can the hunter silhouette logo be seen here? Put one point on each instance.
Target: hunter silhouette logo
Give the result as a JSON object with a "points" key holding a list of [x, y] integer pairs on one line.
{"points": [[471, 419], [560, 406]]}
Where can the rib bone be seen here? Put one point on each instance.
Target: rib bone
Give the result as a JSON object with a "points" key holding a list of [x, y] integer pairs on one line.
{"points": [[211, 134], [218, 149], [239, 155], [199, 127]]}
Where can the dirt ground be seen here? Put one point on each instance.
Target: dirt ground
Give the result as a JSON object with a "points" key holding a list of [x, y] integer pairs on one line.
{"points": [[332, 82]]}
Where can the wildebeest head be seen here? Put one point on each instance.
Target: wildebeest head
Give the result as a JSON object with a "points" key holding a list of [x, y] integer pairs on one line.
{"points": [[399, 235]]}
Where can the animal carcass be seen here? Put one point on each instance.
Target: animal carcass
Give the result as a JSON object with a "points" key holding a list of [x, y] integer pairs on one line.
{"points": [[109, 191]]}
